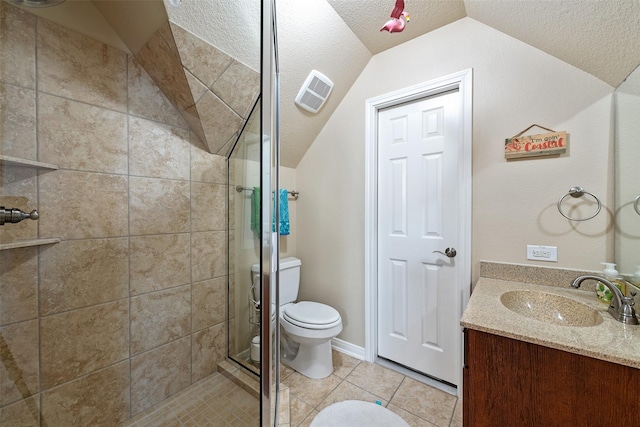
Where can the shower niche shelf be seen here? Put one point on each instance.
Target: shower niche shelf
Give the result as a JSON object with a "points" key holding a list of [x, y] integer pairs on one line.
{"points": [[15, 161], [18, 162], [26, 243]]}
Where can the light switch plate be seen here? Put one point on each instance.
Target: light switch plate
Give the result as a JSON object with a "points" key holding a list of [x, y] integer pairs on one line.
{"points": [[542, 253]]}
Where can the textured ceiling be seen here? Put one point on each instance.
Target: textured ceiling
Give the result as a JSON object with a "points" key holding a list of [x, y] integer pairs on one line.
{"points": [[600, 37]]}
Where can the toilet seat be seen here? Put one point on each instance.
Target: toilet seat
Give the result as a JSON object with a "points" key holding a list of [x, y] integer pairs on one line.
{"points": [[311, 315]]}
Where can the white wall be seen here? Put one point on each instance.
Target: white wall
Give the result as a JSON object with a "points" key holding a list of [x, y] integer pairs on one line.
{"points": [[514, 86]]}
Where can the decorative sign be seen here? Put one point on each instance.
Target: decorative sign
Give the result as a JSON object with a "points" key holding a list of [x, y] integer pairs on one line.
{"points": [[544, 144]]}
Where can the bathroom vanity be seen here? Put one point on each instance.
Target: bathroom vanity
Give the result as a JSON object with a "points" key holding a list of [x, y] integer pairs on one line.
{"points": [[577, 366]]}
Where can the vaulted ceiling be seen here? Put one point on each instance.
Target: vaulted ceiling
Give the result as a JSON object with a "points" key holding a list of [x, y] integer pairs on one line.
{"points": [[600, 37]]}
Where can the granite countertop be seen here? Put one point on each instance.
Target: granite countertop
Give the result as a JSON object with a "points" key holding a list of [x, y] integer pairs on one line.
{"points": [[610, 340]]}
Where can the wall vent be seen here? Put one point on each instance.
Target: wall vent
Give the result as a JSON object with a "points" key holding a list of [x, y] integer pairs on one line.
{"points": [[314, 91]]}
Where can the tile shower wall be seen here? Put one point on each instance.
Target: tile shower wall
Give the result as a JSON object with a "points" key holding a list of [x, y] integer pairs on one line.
{"points": [[130, 306]]}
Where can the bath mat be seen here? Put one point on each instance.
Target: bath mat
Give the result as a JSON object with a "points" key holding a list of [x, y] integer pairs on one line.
{"points": [[353, 413]]}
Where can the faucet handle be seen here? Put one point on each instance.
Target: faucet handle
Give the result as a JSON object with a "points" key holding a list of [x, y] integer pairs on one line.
{"points": [[627, 312]]}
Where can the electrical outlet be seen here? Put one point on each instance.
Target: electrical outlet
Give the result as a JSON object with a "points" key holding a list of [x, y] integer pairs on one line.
{"points": [[542, 253]]}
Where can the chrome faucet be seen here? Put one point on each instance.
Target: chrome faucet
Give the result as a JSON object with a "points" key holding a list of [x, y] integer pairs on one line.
{"points": [[621, 307]]}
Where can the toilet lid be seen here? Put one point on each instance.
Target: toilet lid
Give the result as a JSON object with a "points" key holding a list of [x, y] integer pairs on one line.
{"points": [[312, 313]]}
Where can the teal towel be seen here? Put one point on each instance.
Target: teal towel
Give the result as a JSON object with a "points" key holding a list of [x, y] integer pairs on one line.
{"points": [[285, 227], [255, 210]]}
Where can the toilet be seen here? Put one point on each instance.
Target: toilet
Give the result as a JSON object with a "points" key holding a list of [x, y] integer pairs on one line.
{"points": [[306, 327]]}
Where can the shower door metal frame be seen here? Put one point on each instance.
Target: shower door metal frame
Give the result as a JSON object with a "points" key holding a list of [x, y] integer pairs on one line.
{"points": [[269, 243]]}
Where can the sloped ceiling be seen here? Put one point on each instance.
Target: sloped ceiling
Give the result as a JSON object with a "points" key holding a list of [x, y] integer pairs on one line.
{"points": [[600, 37], [339, 37]]}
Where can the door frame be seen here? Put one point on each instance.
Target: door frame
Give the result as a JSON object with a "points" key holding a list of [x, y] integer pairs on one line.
{"points": [[463, 81]]}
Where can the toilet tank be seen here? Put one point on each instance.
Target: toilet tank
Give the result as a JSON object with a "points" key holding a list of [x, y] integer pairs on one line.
{"points": [[289, 279]]}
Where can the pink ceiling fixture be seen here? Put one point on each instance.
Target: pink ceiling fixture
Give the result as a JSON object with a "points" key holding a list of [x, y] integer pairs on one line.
{"points": [[398, 20]]}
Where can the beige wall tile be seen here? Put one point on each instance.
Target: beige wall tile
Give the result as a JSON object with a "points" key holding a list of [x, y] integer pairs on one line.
{"points": [[209, 349], [146, 100], [25, 413], [160, 317], [17, 121], [208, 255], [197, 87], [159, 373], [207, 167], [157, 150], [18, 190], [81, 341], [167, 36], [18, 285], [238, 87], [74, 66], [195, 126], [208, 207], [98, 399], [80, 273], [158, 206], [231, 306], [17, 46], [160, 61], [77, 205], [226, 148], [78, 136], [219, 122], [202, 59], [159, 262], [209, 303], [19, 356]]}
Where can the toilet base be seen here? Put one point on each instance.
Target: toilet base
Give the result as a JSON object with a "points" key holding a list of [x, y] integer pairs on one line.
{"points": [[313, 361]]}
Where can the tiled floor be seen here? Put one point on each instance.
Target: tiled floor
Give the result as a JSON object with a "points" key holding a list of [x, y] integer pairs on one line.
{"points": [[420, 405], [217, 401]]}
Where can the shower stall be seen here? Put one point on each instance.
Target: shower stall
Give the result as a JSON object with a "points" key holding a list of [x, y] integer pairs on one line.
{"points": [[125, 296]]}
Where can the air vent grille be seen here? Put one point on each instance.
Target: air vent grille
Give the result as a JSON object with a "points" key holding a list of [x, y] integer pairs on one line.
{"points": [[314, 91]]}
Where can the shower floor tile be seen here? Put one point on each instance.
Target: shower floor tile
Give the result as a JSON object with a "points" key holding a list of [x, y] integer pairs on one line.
{"points": [[214, 401]]}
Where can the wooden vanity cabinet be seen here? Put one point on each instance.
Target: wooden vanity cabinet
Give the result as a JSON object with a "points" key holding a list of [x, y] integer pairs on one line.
{"points": [[512, 383]]}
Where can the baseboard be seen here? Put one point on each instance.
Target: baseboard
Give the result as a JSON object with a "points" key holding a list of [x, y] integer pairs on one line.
{"points": [[348, 348]]}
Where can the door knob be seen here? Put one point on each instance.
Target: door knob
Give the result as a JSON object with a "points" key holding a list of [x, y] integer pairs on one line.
{"points": [[450, 252]]}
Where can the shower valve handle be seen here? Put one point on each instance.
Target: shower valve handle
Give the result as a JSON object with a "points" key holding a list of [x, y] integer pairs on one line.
{"points": [[13, 216]]}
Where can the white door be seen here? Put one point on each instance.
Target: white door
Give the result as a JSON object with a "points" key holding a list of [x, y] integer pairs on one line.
{"points": [[418, 210]]}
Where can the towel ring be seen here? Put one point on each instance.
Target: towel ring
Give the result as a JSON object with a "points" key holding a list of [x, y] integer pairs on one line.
{"points": [[636, 204], [579, 192]]}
